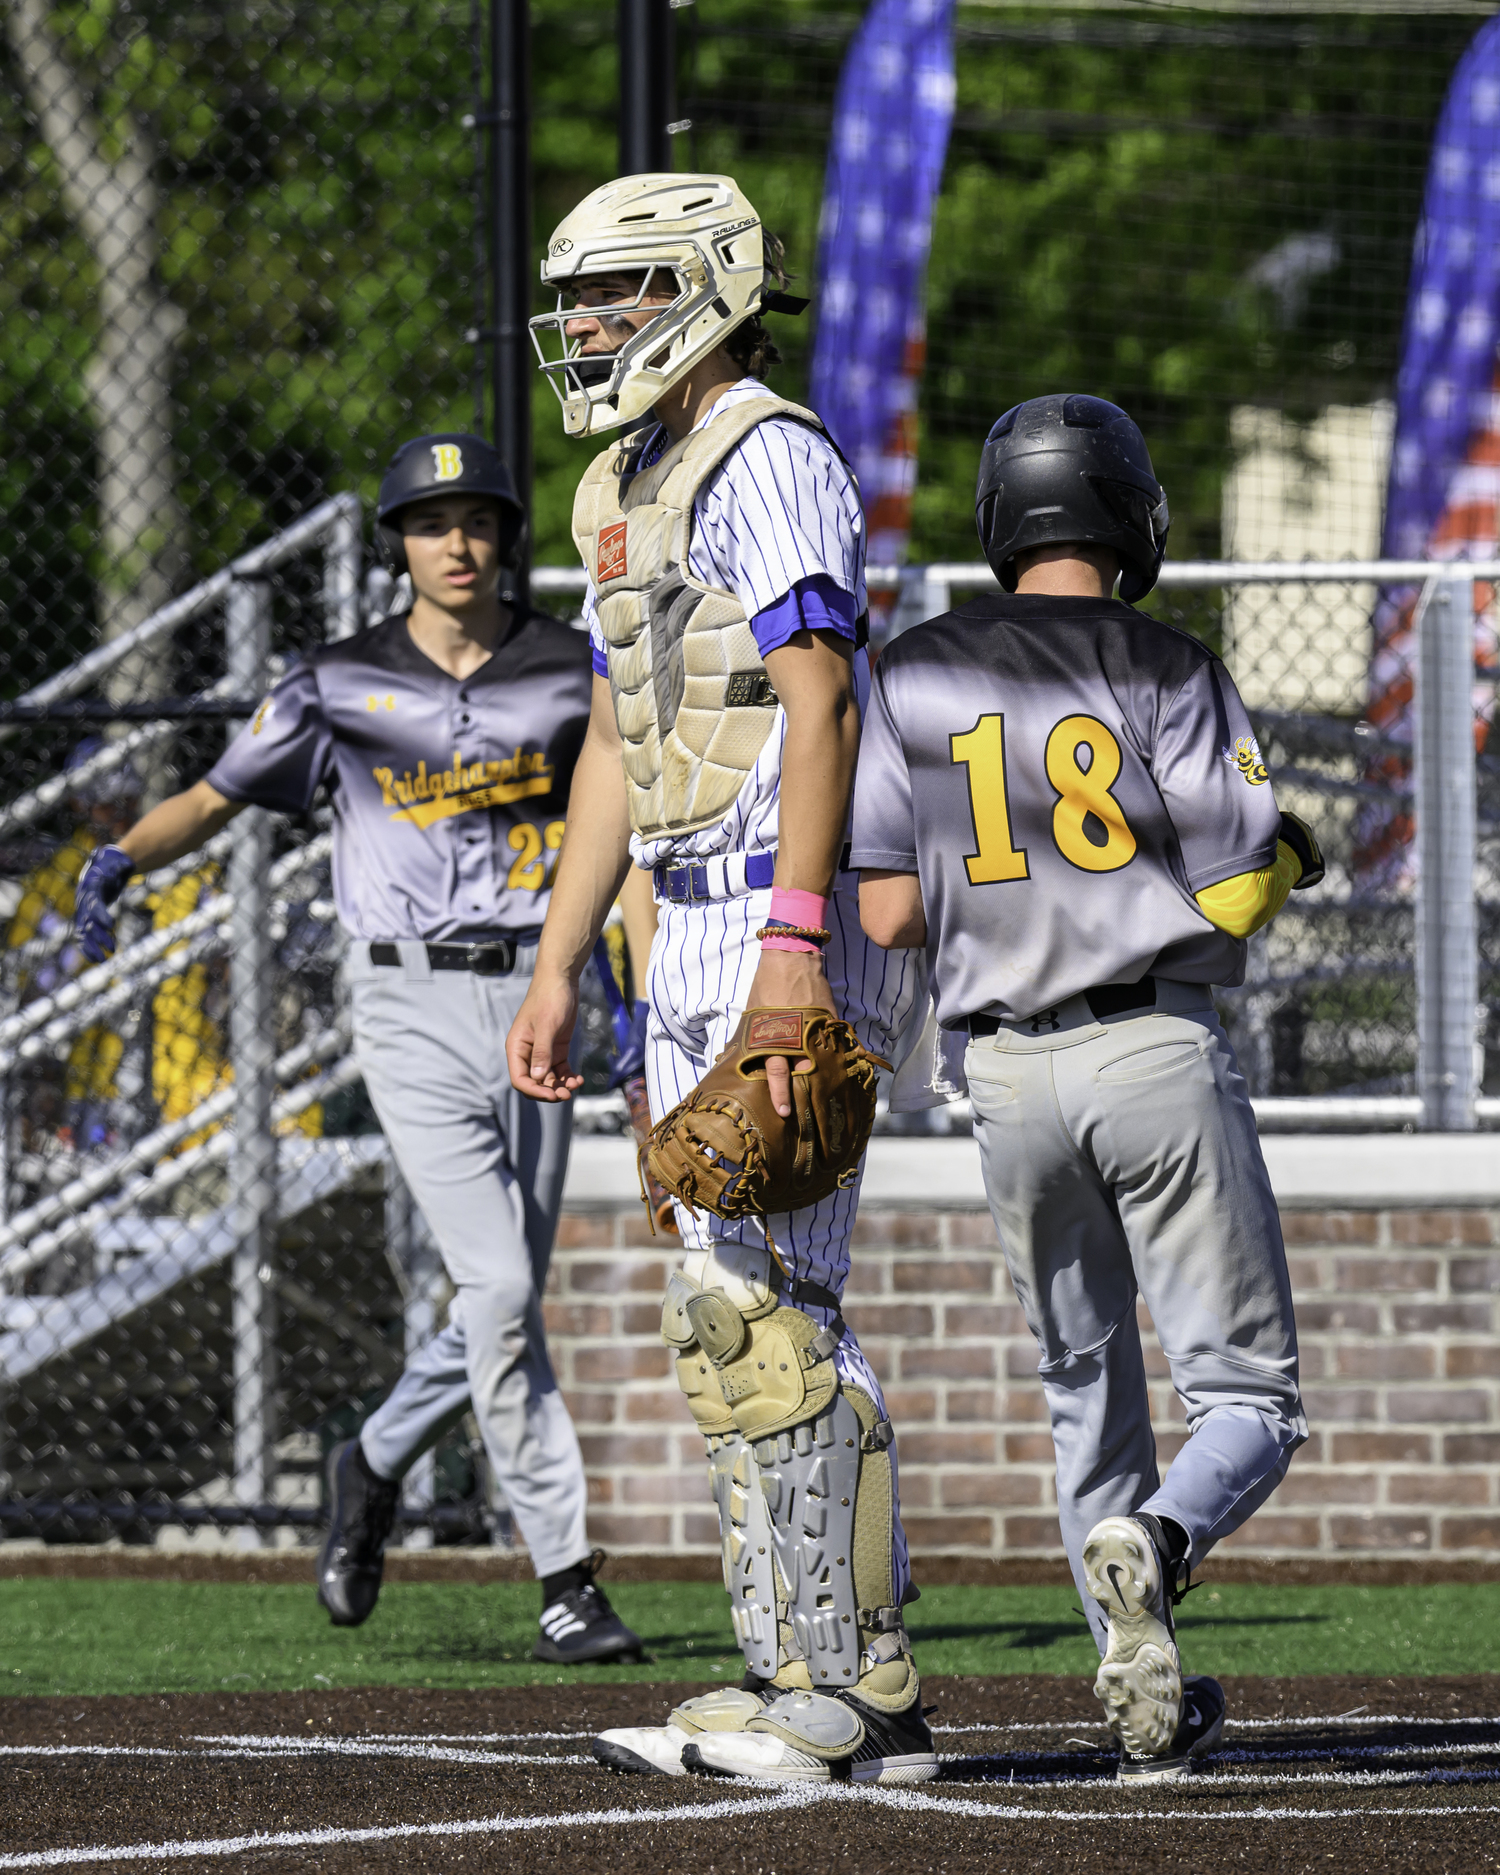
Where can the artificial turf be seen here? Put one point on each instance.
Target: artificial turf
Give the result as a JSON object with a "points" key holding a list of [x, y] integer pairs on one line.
{"points": [[80, 1637]]}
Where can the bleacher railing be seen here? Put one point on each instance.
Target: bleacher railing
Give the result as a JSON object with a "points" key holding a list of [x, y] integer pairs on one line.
{"points": [[1401, 960]]}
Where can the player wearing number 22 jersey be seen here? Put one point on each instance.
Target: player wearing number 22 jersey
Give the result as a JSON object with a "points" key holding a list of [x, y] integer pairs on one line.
{"points": [[446, 738], [1066, 798]]}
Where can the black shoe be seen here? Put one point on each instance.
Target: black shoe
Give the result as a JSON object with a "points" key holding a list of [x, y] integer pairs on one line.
{"points": [[1198, 1731], [897, 1747], [581, 1626], [363, 1509]]}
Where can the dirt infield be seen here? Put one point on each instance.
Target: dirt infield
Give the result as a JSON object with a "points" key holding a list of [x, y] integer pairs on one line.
{"points": [[1326, 1774]]}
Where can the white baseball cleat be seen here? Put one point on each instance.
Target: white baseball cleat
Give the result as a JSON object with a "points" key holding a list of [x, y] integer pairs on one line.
{"points": [[1140, 1679], [648, 1748], [814, 1737], [657, 1749]]}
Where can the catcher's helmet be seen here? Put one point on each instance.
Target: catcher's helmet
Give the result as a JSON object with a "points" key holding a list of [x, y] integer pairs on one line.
{"points": [[1071, 468], [450, 464], [699, 230]]}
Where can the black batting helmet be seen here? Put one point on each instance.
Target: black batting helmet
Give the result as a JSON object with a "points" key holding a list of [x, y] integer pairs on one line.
{"points": [[450, 464], [1071, 468]]}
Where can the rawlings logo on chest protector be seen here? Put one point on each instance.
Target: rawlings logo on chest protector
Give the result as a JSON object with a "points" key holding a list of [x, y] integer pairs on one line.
{"points": [[612, 552]]}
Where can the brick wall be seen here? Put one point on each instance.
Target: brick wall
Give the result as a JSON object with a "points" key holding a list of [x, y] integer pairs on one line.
{"points": [[1399, 1315]]}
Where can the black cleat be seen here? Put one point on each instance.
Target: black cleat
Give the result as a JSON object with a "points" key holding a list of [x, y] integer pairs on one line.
{"points": [[1198, 1731], [897, 1747], [353, 1557], [581, 1626]]}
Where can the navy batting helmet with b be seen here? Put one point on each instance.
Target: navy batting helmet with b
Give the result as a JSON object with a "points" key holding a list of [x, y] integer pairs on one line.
{"points": [[1071, 469], [450, 464]]}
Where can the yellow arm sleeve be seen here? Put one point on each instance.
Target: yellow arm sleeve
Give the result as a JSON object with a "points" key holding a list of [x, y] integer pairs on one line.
{"points": [[1241, 905]]}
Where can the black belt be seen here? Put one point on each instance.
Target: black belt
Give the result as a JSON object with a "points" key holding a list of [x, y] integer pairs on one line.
{"points": [[496, 957], [1109, 999]]}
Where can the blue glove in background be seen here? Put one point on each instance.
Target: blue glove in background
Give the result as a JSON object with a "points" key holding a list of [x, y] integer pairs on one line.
{"points": [[99, 885], [629, 1058]]}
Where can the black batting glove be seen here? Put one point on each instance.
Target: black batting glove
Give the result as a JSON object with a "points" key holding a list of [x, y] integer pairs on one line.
{"points": [[1303, 842]]}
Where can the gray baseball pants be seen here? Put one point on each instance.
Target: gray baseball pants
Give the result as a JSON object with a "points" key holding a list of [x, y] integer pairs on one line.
{"points": [[1121, 1157], [486, 1166]]}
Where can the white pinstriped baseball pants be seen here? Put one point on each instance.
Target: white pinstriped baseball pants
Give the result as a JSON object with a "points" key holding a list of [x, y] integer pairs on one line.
{"points": [[702, 964]]}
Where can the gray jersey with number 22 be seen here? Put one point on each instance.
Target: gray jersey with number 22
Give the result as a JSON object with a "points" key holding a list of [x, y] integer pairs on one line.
{"points": [[448, 793], [1063, 775]]}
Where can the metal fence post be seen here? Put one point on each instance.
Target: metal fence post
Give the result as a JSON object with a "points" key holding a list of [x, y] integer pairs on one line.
{"points": [[252, 1048], [341, 558], [1447, 923]]}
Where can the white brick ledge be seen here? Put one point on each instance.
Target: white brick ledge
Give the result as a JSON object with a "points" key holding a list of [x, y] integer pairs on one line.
{"points": [[1358, 1171]]}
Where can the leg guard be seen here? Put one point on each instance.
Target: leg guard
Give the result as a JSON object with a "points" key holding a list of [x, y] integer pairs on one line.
{"points": [[744, 1527], [802, 1482]]}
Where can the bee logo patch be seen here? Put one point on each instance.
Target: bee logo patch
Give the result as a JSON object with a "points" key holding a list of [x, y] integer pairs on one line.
{"points": [[447, 462], [1246, 757], [612, 552]]}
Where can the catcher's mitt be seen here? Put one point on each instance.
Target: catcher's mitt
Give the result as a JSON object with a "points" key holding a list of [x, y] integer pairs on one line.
{"points": [[726, 1147], [663, 1217]]}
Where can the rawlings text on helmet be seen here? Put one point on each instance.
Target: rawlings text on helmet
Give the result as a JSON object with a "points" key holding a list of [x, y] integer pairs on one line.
{"points": [[1061, 469], [696, 236]]}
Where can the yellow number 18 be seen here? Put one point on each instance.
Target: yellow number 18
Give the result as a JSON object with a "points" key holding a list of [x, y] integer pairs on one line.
{"points": [[1088, 823]]}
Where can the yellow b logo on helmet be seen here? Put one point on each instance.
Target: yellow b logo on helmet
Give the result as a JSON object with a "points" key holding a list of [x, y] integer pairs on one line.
{"points": [[447, 461]]}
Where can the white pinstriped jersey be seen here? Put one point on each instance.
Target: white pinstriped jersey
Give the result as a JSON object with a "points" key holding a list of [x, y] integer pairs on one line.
{"points": [[783, 507]]}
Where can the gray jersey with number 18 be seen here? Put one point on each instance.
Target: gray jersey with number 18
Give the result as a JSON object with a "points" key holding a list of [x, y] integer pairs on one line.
{"points": [[1070, 772]]}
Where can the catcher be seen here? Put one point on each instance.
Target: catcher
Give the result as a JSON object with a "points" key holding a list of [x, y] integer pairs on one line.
{"points": [[724, 540]]}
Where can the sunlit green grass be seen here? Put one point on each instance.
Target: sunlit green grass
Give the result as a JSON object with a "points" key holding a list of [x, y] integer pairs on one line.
{"points": [[60, 1636]]}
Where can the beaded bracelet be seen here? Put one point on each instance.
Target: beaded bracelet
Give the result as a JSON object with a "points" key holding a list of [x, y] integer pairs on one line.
{"points": [[808, 933]]}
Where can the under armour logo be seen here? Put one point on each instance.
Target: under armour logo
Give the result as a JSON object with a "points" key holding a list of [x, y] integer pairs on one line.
{"points": [[1047, 1023]]}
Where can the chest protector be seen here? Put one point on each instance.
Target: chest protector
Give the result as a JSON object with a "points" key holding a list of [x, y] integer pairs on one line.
{"points": [[692, 699]]}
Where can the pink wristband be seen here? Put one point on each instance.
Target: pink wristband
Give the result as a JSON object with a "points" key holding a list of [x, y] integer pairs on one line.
{"points": [[804, 908], [784, 941]]}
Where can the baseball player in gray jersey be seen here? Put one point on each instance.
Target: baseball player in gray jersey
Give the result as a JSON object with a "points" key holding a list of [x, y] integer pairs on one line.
{"points": [[1065, 800], [724, 541], [446, 738]]}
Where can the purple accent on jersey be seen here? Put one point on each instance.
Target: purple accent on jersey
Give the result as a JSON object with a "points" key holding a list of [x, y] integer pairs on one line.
{"points": [[596, 653], [1443, 388], [885, 162], [818, 604]]}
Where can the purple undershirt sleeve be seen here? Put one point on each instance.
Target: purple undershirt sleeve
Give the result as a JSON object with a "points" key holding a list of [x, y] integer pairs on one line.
{"points": [[817, 603]]}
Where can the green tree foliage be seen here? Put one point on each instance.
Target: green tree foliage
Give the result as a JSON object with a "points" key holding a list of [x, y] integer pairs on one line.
{"points": [[1113, 181], [1116, 182]]}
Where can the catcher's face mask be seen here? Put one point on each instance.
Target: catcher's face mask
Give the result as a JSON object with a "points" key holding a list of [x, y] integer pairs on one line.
{"points": [[693, 244]]}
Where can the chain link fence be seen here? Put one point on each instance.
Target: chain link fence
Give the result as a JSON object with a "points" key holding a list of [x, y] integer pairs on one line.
{"points": [[243, 256]]}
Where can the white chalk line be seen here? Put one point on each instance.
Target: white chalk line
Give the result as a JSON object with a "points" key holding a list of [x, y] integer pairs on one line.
{"points": [[766, 1799], [1231, 1723], [763, 1802], [429, 1738], [917, 1800], [1207, 1776], [1479, 1749], [300, 1748]]}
